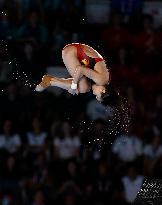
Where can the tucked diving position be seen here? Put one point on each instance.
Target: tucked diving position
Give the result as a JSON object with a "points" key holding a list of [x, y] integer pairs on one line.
{"points": [[88, 70]]}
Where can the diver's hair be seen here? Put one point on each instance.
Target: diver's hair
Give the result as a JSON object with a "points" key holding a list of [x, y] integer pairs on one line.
{"points": [[110, 97]]}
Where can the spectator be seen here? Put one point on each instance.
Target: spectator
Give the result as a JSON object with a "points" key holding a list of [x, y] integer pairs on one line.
{"points": [[40, 169], [36, 138], [125, 67], [127, 147], [103, 183], [72, 171], [32, 31], [59, 39], [10, 101], [152, 153], [66, 145], [69, 199], [115, 35], [39, 198], [7, 199], [10, 177], [69, 194], [89, 194], [10, 141], [71, 12], [6, 26], [96, 110], [127, 8], [132, 183], [94, 135], [5, 71], [54, 128], [147, 43]]}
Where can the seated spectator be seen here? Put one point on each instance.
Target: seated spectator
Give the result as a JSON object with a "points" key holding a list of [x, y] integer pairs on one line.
{"points": [[72, 12], [124, 67], [150, 115], [6, 26], [96, 110], [146, 43], [157, 169], [115, 35], [66, 145], [89, 194], [32, 31], [127, 147], [9, 141], [132, 183], [39, 198], [54, 128], [69, 193], [10, 177], [95, 136], [7, 198], [103, 183], [127, 8], [5, 71], [72, 173], [118, 192], [70, 199], [10, 102], [59, 39], [152, 153], [40, 169], [36, 138], [123, 58]]}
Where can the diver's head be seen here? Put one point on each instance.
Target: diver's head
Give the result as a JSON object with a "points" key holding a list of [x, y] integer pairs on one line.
{"points": [[107, 95]]}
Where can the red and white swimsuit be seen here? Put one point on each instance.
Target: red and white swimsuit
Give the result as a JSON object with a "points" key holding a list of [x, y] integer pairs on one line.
{"points": [[83, 58]]}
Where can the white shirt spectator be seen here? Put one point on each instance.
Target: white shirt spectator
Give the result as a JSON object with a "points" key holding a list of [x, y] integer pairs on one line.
{"points": [[132, 187], [128, 148], [96, 110], [36, 140], [151, 152], [67, 147], [11, 143]]}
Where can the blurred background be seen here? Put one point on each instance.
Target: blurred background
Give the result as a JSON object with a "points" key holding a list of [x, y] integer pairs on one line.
{"points": [[68, 150]]}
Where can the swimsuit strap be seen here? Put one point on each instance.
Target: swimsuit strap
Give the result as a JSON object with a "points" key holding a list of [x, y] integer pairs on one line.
{"points": [[99, 59]]}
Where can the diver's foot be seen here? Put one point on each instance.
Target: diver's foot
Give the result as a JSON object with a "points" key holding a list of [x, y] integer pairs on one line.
{"points": [[44, 84]]}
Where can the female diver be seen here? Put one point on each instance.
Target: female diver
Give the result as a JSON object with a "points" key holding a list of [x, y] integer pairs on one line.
{"points": [[88, 71]]}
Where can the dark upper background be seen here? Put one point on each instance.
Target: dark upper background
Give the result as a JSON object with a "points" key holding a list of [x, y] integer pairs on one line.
{"points": [[44, 156]]}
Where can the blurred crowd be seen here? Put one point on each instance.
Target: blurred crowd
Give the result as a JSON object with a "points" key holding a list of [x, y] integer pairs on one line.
{"points": [[69, 150]]}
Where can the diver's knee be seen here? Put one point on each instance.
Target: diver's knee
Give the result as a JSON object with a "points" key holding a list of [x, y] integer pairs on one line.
{"points": [[84, 87], [84, 90]]}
